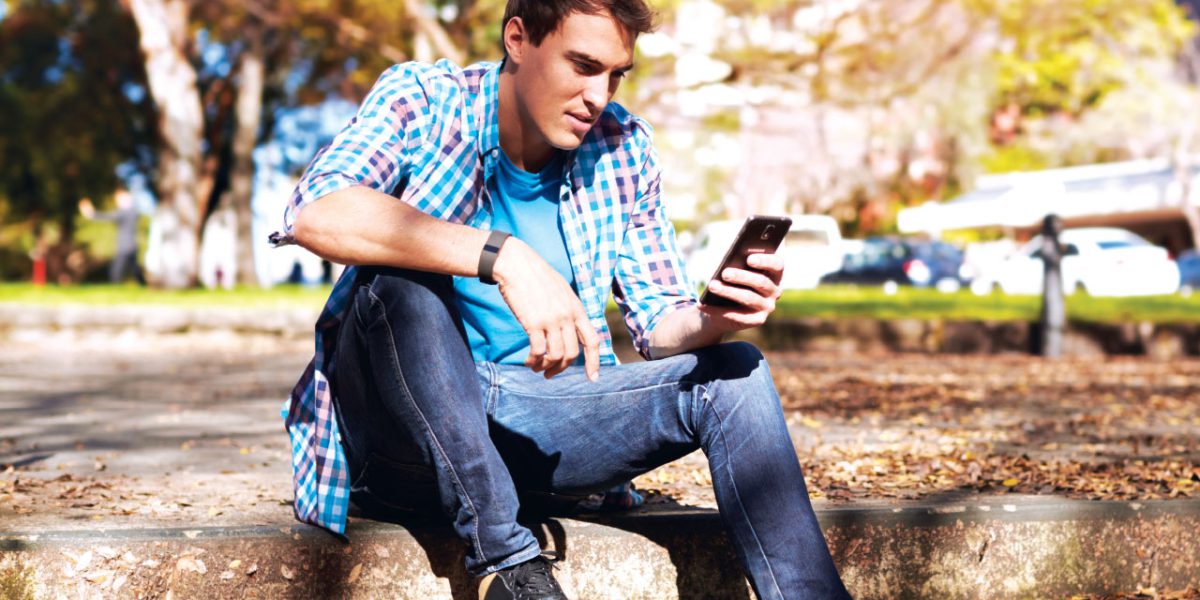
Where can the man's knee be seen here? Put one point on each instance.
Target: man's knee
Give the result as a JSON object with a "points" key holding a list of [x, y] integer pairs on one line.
{"points": [[409, 295], [739, 360]]}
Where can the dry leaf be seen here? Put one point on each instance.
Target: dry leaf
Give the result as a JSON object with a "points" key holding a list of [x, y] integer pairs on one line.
{"points": [[193, 565]]}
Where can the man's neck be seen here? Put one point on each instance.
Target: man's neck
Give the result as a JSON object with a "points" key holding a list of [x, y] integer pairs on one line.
{"points": [[519, 139]]}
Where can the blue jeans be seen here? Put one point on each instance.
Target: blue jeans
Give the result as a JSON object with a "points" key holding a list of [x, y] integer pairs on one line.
{"points": [[426, 428]]}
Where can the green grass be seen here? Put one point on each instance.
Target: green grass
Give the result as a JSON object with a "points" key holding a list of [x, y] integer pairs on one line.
{"points": [[833, 302], [843, 302]]}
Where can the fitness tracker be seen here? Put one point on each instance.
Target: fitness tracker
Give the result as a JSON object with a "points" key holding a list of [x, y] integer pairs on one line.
{"points": [[487, 258]]}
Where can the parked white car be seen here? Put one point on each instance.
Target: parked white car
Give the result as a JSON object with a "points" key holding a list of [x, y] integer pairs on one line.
{"points": [[811, 250], [1102, 261]]}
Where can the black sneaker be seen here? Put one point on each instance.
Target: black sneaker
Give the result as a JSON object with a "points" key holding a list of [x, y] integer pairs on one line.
{"points": [[530, 580]]}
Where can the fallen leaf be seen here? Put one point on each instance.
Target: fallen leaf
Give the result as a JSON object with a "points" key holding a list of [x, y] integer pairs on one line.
{"points": [[193, 565], [354, 573], [287, 572]]}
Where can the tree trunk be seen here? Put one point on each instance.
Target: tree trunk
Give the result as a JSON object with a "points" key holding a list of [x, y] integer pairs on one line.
{"points": [[162, 25], [432, 33], [241, 181]]}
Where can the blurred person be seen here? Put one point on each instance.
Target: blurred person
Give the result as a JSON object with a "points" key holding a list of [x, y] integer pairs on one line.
{"points": [[124, 263], [463, 361]]}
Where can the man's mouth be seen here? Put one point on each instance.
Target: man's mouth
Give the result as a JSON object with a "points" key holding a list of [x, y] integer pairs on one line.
{"points": [[584, 120]]}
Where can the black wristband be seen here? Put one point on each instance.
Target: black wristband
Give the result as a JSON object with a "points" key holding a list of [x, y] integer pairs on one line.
{"points": [[487, 258]]}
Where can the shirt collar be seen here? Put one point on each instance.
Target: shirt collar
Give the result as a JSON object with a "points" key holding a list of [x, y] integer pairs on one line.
{"points": [[489, 118], [488, 113]]}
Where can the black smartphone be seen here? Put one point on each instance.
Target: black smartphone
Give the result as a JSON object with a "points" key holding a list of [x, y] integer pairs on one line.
{"points": [[759, 235]]}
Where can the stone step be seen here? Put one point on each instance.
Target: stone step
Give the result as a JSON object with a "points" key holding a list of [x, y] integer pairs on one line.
{"points": [[1005, 547], [1163, 341]]}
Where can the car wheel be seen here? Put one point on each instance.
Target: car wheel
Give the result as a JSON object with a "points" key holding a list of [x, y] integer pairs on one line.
{"points": [[948, 285], [984, 288]]}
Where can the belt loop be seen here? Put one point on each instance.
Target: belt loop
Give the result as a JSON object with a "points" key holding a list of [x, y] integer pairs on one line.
{"points": [[492, 394]]}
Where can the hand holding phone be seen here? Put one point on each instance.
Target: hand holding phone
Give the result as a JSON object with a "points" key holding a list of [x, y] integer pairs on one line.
{"points": [[759, 235]]}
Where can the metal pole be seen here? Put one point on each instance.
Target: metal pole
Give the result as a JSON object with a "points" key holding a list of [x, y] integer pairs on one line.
{"points": [[1053, 317]]}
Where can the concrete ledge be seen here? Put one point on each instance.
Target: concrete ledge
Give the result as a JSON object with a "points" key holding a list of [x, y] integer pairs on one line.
{"points": [[291, 322], [1007, 547], [814, 335]]}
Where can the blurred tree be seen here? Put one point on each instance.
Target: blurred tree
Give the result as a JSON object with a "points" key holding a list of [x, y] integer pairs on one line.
{"points": [[939, 88], [219, 69], [74, 106]]}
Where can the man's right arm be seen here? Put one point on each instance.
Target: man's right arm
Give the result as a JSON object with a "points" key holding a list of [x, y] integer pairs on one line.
{"points": [[360, 226]]}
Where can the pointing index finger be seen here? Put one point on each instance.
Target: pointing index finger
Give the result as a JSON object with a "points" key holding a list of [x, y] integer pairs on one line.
{"points": [[591, 347]]}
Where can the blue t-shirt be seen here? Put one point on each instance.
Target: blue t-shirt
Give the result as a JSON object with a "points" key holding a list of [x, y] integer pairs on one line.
{"points": [[525, 205]]}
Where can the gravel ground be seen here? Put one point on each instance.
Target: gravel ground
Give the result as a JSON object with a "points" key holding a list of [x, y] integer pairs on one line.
{"points": [[130, 431]]}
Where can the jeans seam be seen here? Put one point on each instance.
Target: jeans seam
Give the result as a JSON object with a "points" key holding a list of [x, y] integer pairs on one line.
{"points": [[737, 494], [429, 430], [581, 397], [493, 390]]}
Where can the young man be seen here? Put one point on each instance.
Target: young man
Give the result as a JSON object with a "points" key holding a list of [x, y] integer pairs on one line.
{"points": [[448, 373]]}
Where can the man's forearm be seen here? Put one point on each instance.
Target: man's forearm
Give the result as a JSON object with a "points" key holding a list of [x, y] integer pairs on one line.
{"points": [[683, 330], [360, 226]]}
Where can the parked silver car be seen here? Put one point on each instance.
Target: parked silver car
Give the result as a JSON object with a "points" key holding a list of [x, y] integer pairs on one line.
{"points": [[1102, 261]]}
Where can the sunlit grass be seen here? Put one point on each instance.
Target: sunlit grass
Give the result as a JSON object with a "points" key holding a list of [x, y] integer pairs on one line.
{"points": [[830, 302], [842, 302]]}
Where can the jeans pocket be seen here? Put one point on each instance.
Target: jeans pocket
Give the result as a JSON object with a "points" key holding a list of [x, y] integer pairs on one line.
{"points": [[386, 485]]}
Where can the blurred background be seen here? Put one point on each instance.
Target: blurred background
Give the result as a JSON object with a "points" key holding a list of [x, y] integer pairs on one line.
{"points": [[917, 143]]}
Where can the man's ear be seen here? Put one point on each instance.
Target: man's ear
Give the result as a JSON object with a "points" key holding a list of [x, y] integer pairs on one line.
{"points": [[515, 39]]}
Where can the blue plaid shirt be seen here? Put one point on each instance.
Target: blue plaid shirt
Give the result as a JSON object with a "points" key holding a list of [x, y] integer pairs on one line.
{"points": [[429, 135]]}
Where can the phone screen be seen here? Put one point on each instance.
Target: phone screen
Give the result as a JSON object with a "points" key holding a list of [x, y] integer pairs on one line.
{"points": [[759, 235]]}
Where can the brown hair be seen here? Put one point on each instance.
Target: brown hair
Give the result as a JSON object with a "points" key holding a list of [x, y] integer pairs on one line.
{"points": [[542, 17]]}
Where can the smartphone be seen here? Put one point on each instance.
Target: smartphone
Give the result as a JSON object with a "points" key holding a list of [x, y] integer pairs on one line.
{"points": [[759, 235]]}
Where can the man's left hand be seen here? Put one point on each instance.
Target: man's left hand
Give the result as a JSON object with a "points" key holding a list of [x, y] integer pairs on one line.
{"points": [[756, 294]]}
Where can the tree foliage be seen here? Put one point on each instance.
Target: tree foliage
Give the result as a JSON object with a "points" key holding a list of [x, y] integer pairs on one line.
{"points": [[72, 92]]}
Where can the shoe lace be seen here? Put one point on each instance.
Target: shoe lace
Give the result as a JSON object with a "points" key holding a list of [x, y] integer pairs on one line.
{"points": [[536, 577]]}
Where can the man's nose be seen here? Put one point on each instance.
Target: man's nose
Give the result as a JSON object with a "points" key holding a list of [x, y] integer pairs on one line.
{"points": [[596, 93]]}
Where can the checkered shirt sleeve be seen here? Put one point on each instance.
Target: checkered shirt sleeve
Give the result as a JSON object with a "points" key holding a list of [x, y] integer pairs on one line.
{"points": [[377, 148], [650, 281]]}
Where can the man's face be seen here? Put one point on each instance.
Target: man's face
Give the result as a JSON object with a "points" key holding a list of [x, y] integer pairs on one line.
{"points": [[564, 84]]}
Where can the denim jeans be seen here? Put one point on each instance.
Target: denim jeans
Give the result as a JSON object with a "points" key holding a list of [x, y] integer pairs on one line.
{"points": [[426, 428]]}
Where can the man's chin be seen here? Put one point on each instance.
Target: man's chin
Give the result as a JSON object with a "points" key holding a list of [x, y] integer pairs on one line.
{"points": [[567, 142]]}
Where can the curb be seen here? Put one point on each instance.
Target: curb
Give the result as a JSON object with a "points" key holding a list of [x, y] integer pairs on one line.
{"points": [[1161, 341], [1006, 547]]}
